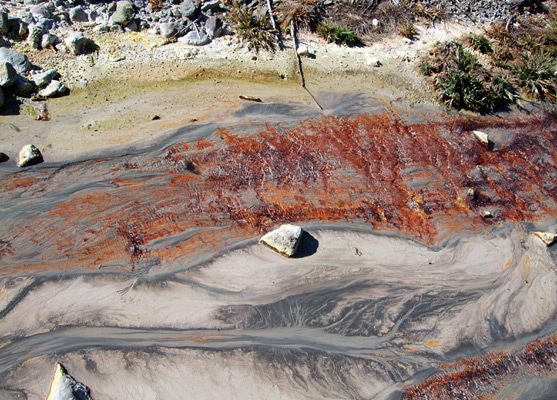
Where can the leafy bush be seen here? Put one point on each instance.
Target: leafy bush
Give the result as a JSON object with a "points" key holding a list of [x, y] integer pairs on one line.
{"points": [[340, 35], [409, 31], [253, 29]]}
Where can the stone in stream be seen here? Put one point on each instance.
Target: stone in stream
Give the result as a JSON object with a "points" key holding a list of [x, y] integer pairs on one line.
{"points": [[18, 60], [8, 75], [284, 240], [65, 387], [547, 237], [29, 155]]}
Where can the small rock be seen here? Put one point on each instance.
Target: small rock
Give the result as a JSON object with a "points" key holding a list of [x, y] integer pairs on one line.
{"points": [[482, 137], [18, 60], [284, 240], [22, 87], [54, 89], [303, 51], [188, 9], [124, 14], [35, 36], [44, 78], [547, 237], [48, 40], [486, 214], [213, 27], [7, 74], [210, 5], [78, 14], [375, 22], [29, 155], [65, 387], [154, 117], [40, 11], [168, 29], [3, 157], [78, 43], [373, 62], [194, 38]]}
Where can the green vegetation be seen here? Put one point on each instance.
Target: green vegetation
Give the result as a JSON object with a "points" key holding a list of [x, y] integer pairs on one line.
{"points": [[340, 35], [253, 29], [409, 31], [480, 43], [519, 61]]}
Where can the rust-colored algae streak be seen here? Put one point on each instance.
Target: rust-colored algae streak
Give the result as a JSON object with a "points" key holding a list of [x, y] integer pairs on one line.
{"points": [[483, 377], [424, 180]]}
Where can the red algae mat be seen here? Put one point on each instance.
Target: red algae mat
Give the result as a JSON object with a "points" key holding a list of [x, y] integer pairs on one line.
{"points": [[424, 180]]}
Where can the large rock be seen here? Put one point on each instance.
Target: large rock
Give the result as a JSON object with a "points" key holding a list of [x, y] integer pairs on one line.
{"points": [[284, 240], [188, 9], [44, 78], [22, 87], [18, 60], [54, 89], [29, 155], [213, 27], [124, 14], [194, 38], [7, 74], [65, 387], [78, 14], [4, 24], [77, 43], [168, 29]]}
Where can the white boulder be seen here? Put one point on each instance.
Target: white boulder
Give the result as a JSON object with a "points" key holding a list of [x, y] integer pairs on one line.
{"points": [[28, 154], [284, 240]]}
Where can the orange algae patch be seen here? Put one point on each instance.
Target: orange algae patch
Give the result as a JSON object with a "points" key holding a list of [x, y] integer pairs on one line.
{"points": [[424, 180]]}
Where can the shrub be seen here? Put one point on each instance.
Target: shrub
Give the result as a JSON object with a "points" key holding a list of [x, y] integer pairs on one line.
{"points": [[340, 35], [253, 29], [537, 75], [409, 31], [480, 43]]}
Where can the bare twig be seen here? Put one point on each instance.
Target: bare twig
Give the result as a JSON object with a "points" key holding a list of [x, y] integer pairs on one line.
{"points": [[295, 43]]}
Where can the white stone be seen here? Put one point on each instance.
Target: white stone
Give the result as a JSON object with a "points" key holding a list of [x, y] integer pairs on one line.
{"points": [[27, 155], [547, 237], [303, 51], [481, 136], [375, 22], [284, 240], [54, 89], [64, 387], [373, 62]]}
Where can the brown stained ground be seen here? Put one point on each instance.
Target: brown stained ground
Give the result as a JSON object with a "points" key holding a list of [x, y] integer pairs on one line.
{"points": [[485, 376], [424, 180]]}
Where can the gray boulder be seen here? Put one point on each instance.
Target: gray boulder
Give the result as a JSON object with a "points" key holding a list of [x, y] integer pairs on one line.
{"points": [[65, 387], [18, 60], [4, 27], [213, 27], [78, 14], [168, 29], [188, 9], [35, 35], [124, 14], [284, 240], [49, 40], [7, 74], [210, 5], [54, 89], [40, 11], [77, 43], [22, 87], [44, 78], [194, 38], [28, 155]]}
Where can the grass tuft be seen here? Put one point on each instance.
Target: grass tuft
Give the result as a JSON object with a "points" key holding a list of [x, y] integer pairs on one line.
{"points": [[340, 35], [253, 28]]}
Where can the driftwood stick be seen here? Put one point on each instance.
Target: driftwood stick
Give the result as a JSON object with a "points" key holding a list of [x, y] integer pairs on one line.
{"points": [[274, 24], [295, 42]]}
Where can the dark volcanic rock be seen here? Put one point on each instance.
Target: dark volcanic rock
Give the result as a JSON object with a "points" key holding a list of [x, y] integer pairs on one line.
{"points": [[18, 60]]}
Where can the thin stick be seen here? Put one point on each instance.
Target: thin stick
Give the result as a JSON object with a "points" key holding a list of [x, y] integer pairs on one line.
{"points": [[274, 24], [295, 41]]}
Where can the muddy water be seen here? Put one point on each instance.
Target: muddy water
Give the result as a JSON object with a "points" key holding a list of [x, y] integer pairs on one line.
{"points": [[141, 272]]}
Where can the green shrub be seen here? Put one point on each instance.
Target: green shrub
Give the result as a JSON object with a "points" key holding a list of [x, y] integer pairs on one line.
{"points": [[480, 43], [340, 35], [536, 74], [253, 29], [409, 31]]}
